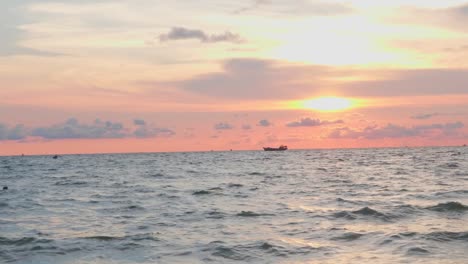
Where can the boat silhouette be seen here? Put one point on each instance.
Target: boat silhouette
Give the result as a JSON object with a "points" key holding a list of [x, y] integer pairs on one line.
{"points": [[280, 148]]}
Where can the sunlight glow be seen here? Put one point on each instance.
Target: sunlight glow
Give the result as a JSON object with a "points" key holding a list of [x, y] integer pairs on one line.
{"points": [[328, 104]]}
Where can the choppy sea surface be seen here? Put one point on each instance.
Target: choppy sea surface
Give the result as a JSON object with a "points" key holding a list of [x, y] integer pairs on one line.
{"points": [[389, 205]]}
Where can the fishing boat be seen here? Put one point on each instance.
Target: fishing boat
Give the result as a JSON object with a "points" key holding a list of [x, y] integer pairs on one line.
{"points": [[281, 148]]}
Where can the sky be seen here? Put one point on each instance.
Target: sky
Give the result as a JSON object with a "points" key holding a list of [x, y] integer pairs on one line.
{"points": [[102, 76]]}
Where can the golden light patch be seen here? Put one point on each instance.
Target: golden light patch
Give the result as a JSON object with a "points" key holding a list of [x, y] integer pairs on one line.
{"points": [[328, 104]]}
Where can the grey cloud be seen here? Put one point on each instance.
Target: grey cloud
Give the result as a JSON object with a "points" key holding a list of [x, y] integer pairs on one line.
{"points": [[461, 11], [396, 131], [74, 129], [17, 132], [181, 33], [139, 122], [144, 130], [259, 79], [454, 17], [308, 122], [424, 116], [11, 18], [264, 123], [256, 79], [223, 126], [147, 132], [412, 82]]}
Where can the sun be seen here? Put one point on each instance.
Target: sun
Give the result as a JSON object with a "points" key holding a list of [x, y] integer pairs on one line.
{"points": [[328, 104]]}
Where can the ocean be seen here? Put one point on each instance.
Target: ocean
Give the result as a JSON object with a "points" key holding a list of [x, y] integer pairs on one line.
{"points": [[386, 205]]}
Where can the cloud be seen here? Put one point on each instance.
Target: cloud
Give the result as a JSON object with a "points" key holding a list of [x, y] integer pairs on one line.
{"points": [[264, 123], [11, 20], [424, 116], [308, 122], [17, 132], [454, 17], [149, 132], [74, 129], [143, 130], [139, 122], [458, 49], [181, 33], [253, 6], [411, 82], [223, 126], [257, 79], [319, 8], [297, 7], [396, 131], [252, 79]]}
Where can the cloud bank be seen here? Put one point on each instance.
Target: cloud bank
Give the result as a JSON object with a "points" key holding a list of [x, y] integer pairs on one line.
{"points": [[424, 116], [17, 132], [73, 129], [308, 122], [454, 17], [258, 79], [223, 126], [396, 131], [252, 79]]}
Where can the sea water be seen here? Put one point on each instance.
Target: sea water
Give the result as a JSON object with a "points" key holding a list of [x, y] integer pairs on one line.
{"points": [[388, 205]]}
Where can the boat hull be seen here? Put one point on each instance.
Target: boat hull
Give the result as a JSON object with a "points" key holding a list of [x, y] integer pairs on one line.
{"points": [[275, 149]]}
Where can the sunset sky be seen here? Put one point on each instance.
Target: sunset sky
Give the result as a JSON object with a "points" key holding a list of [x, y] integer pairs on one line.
{"points": [[98, 76]]}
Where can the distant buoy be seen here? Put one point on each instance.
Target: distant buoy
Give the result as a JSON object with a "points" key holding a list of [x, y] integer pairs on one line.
{"points": [[55, 157], [5, 188]]}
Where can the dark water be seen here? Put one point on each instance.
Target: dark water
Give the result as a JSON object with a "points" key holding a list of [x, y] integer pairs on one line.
{"points": [[407, 205]]}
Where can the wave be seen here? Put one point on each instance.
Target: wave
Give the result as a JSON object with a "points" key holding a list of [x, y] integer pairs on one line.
{"points": [[202, 192], [128, 208], [4, 241], [214, 190], [341, 200], [450, 165], [363, 212], [215, 215], [344, 214], [367, 211], [156, 175], [229, 253], [445, 236], [351, 236], [439, 236], [138, 237], [451, 194], [417, 251], [70, 182], [255, 251], [248, 214], [255, 173], [251, 214], [448, 207]]}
